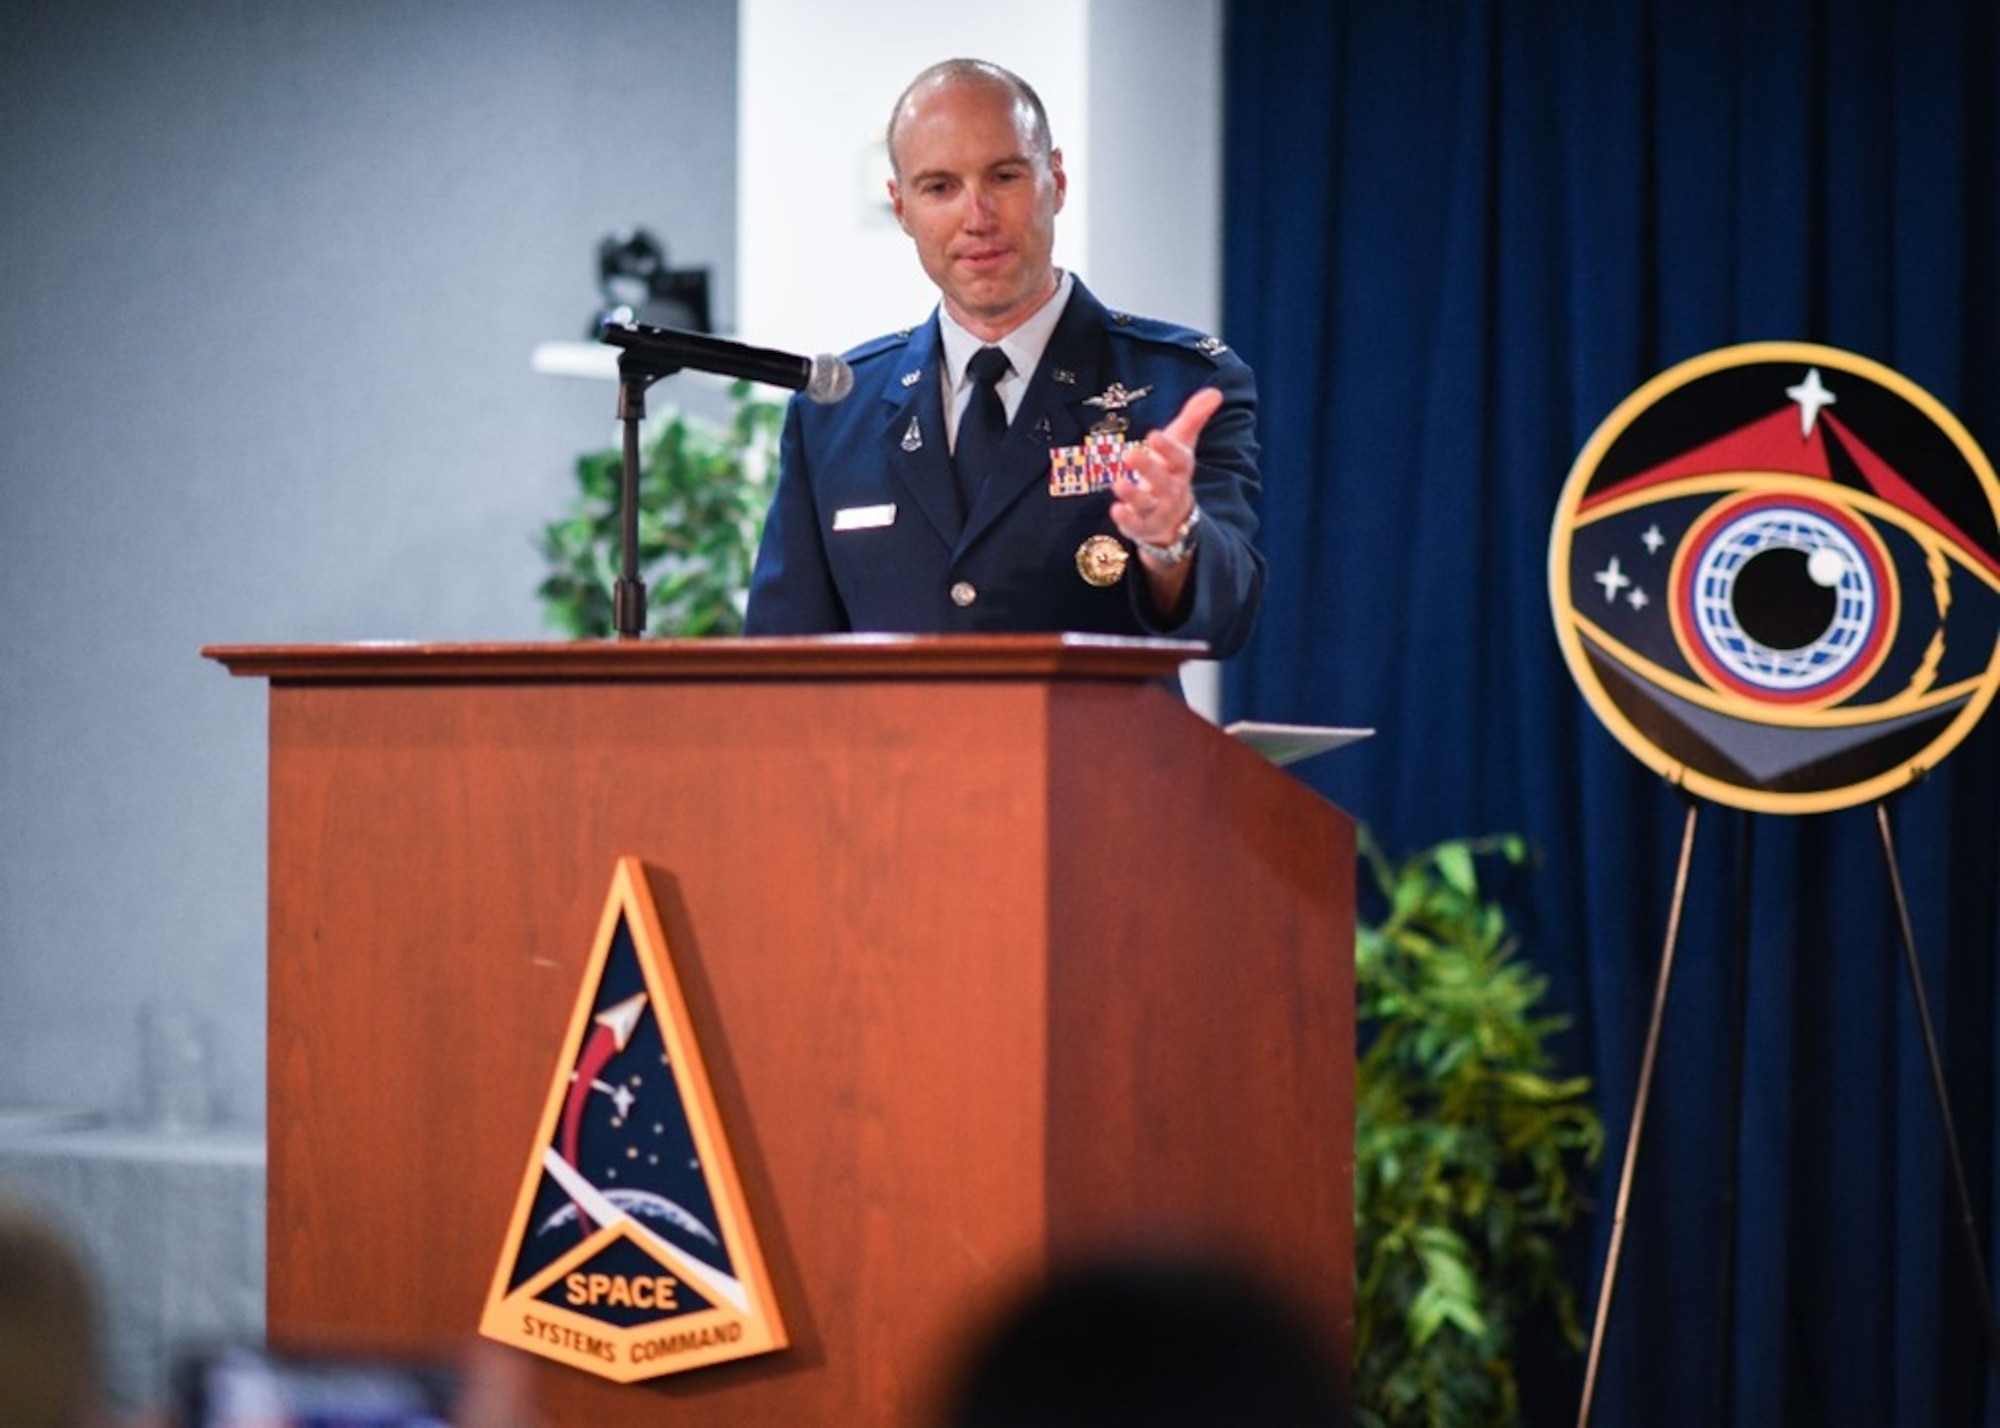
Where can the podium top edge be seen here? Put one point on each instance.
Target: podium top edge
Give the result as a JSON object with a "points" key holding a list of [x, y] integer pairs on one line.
{"points": [[719, 658]]}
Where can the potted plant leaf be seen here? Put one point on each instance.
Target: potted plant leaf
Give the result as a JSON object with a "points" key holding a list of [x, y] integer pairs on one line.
{"points": [[1470, 1150], [703, 490]]}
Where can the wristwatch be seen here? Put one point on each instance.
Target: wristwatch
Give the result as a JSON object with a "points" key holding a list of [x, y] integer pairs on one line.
{"points": [[1183, 542]]}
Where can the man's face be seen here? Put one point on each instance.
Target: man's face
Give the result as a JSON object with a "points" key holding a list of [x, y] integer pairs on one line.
{"points": [[980, 201]]}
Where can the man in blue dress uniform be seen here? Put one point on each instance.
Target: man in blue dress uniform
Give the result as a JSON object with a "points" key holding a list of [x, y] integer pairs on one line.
{"points": [[1109, 487]]}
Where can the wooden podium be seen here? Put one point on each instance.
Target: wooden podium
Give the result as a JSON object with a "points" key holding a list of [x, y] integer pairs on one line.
{"points": [[997, 954]]}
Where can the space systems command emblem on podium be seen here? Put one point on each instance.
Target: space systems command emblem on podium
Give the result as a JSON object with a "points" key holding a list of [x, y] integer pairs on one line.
{"points": [[630, 1254]]}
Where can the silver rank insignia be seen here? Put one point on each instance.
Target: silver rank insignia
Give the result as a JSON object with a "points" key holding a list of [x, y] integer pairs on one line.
{"points": [[1091, 466]]}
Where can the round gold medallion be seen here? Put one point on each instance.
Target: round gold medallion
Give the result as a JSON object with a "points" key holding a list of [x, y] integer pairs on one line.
{"points": [[1101, 560]]}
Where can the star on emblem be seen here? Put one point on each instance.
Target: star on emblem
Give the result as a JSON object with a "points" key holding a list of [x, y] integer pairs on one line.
{"points": [[1811, 395]]}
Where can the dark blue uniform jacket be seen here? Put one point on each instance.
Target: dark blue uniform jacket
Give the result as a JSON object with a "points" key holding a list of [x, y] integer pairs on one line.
{"points": [[864, 533]]}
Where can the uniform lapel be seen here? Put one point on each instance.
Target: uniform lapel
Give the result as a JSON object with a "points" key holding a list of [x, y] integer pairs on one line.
{"points": [[914, 435]]}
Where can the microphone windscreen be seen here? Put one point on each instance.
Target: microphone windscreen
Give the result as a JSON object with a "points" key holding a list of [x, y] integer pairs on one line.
{"points": [[831, 380]]}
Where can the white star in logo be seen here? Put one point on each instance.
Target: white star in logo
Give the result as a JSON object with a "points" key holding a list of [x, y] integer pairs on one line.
{"points": [[1811, 395], [1637, 599], [1652, 540], [1612, 579]]}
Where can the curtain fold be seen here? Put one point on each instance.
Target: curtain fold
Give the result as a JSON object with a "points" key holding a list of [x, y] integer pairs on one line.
{"points": [[1458, 235]]}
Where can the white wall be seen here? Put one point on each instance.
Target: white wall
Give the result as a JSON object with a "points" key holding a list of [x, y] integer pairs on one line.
{"points": [[1155, 124], [271, 274]]}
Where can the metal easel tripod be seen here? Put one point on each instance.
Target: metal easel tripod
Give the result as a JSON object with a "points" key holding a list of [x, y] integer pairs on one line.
{"points": [[1648, 1065]]}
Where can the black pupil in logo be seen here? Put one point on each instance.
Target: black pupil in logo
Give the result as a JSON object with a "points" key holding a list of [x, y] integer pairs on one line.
{"points": [[1778, 602]]}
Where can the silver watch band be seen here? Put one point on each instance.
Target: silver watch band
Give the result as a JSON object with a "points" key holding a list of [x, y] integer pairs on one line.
{"points": [[1183, 542]]}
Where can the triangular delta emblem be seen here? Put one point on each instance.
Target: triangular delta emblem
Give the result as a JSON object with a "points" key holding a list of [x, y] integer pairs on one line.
{"points": [[630, 1254]]}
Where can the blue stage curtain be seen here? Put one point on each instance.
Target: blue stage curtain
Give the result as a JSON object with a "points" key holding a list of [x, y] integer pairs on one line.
{"points": [[1457, 235]]}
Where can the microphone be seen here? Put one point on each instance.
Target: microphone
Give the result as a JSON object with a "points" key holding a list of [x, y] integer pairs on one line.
{"points": [[662, 351]]}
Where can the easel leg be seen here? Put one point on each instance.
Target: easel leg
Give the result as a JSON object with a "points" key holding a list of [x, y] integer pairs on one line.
{"points": [[1725, 1318], [1966, 1216], [1637, 1128]]}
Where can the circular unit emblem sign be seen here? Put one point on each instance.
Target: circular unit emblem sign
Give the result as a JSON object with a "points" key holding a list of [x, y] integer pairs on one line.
{"points": [[1775, 575]]}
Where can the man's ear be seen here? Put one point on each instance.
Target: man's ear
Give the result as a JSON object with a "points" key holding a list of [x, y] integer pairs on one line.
{"points": [[1062, 179], [896, 203]]}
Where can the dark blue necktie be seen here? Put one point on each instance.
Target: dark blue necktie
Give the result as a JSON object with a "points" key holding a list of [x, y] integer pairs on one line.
{"points": [[984, 425]]}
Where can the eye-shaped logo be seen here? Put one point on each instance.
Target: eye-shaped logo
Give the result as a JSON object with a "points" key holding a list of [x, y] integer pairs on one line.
{"points": [[1775, 574]]}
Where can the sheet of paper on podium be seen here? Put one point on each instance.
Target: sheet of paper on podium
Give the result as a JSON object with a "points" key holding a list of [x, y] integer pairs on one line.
{"points": [[1288, 743]]}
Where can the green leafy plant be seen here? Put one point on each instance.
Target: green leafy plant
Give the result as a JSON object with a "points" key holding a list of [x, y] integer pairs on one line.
{"points": [[703, 490], [1469, 1150]]}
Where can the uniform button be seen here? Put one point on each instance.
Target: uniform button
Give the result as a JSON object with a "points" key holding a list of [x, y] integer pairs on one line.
{"points": [[963, 593]]}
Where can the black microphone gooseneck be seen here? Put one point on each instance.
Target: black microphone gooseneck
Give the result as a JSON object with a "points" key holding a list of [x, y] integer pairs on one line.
{"points": [[628, 593], [649, 353], [665, 350]]}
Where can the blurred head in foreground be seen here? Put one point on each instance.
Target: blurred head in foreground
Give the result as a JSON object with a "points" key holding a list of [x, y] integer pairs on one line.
{"points": [[1158, 1343], [48, 1324]]}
